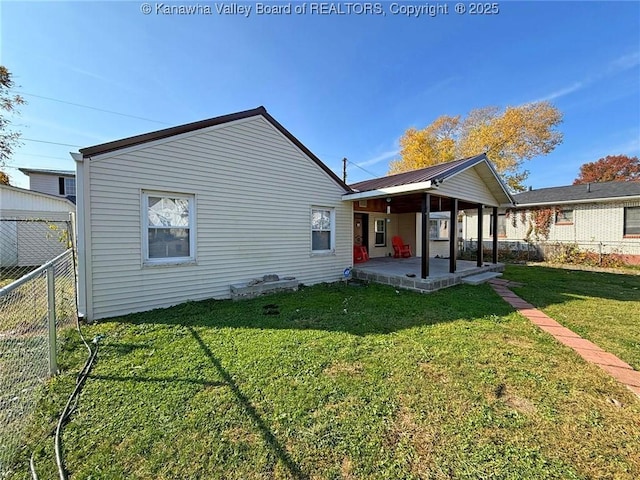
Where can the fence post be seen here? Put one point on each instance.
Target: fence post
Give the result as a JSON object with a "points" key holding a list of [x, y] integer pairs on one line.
{"points": [[51, 308]]}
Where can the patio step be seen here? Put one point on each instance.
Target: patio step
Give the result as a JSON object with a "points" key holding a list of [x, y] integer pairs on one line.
{"points": [[480, 278]]}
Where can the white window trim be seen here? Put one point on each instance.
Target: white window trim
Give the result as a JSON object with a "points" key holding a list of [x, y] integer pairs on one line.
{"points": [[625, 222], [384, 231], [439, 221], [67, 181], [144, 205], [563, 211], [332, 216]]}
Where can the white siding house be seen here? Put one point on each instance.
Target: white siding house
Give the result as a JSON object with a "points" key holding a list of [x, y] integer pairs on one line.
{"points": [[27, 220], [183, 213], [61, 183], [598, 217]]}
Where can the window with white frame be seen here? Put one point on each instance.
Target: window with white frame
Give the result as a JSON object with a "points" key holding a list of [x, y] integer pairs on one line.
{"points": [[322, 230], [439, 229], [66, 186], [632, 221], [564, 216], [380, 229], [168, 227]]}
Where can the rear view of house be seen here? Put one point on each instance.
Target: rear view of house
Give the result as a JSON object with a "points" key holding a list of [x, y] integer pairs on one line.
{"points": [[182, 213]]}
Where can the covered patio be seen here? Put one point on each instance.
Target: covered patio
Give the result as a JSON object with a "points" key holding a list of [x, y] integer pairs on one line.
{"points": [[406, 272], [419, 206]]}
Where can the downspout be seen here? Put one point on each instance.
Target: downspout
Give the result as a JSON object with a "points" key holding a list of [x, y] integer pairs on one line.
{"points": [[80, 236]]}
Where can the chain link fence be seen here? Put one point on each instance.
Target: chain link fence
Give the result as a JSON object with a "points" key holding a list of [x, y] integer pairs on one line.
{"points": [[587, 252], [36, 303]]}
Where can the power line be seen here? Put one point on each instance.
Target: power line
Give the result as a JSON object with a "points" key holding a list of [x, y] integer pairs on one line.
{"points": [[41, 156], [52, 143], [363, 169], [91, 108]]}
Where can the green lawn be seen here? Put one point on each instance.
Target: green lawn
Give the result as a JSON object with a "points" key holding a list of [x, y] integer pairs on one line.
{"points": [[601, 307], [338, 381]]}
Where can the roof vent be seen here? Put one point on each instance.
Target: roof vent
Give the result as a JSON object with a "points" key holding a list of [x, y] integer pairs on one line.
{"points": [[530, 188], [589, 187]]}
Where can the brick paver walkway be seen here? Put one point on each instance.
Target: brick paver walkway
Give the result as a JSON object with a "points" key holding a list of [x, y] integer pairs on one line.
{"points": [[611, 364]]}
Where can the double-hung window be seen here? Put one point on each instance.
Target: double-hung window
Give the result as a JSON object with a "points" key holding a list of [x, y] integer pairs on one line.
{"points": [[168, 229], [632, 221], [381, 232], [323, 235]]}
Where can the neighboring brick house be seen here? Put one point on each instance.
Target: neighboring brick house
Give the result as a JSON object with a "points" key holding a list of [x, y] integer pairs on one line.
{"points": [[599, 217], [61, 183]]}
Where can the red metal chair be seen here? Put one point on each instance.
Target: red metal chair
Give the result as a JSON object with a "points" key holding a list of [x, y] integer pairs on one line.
{"points": [[360, 254], [400, 249]]}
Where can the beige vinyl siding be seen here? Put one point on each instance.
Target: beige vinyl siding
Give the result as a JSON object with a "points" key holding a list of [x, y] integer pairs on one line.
{"points": [[17, 200], [468, 185], [407, 230], [254, 191], [44, 183]]}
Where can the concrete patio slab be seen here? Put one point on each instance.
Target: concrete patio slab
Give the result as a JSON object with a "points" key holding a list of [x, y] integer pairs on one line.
{"points": [[406, 272]]}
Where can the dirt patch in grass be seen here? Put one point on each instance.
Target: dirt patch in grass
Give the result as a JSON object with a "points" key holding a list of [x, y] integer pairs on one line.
{"points": [[241, 435], [344, 368]]}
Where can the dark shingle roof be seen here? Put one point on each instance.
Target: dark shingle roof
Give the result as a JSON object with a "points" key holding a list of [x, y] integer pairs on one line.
{"points": [[440, 172], [569, 193]]}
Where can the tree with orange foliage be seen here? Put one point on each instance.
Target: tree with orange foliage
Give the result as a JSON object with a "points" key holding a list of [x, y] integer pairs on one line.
{"points": [[508, 138], [612, 168]]}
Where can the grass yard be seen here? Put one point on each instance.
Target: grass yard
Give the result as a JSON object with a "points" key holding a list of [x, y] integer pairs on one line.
{"points": [[601, 307], [338, 381]]}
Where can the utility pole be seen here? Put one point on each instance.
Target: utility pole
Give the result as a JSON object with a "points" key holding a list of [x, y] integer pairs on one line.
{"points": [[344, 169]]}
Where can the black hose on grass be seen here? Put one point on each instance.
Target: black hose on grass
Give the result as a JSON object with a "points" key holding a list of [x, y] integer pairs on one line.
{"points": [[72, 401], [69, 407]]}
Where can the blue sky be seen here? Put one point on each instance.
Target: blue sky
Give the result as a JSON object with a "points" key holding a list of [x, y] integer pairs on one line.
{"points": [[345, 85]]}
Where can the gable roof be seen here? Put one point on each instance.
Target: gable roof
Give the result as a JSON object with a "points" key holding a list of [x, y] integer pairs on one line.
{"points": [[436, 172], [583, 193], [61, 173], [425, 179], [190, 127]]}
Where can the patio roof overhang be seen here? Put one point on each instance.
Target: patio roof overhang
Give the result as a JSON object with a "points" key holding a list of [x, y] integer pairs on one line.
{"points": [[471, 180]]}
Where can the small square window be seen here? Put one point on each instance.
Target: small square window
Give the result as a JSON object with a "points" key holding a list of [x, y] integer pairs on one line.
{"points": [[564, 216], [439, 229]]}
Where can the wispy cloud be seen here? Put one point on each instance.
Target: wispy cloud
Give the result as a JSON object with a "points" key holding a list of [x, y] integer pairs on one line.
{"points": [[561, 92], [615, 67], [388, 155], [625, 62]]}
